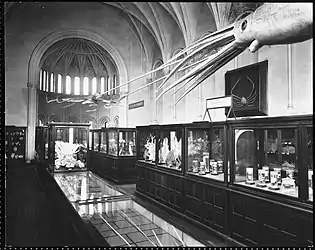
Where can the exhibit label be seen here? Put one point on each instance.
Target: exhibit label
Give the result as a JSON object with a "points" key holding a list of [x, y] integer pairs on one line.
{"points": [[136, 105]]}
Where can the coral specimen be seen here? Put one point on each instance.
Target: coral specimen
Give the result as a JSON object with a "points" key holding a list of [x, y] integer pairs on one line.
{"points": [[67, 155]]}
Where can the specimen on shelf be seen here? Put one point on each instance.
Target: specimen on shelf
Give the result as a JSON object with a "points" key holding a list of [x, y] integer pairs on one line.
{"points": [[66, 155], [149, 148]]}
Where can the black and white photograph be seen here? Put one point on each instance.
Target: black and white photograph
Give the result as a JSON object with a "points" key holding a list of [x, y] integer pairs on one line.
{"points": [[157, 124]]}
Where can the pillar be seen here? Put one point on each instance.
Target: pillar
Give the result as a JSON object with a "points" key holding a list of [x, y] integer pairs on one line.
{"points": [[31, 121]]}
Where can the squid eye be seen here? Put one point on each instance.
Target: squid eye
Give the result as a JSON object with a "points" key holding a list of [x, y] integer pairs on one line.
{"points": [[243, 25]]}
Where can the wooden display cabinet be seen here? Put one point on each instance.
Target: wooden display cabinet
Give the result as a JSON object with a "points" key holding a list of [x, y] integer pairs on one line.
{"points": [[15, 144], [68, 147], [114, 154], [240, 205]]}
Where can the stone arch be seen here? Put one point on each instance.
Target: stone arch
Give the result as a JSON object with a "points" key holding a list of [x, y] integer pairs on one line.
{"points": [[33, 74], [116, 121], [46, 42], [103, 121], [54, 118], [88, 119], [155, 65], [41, 118]]}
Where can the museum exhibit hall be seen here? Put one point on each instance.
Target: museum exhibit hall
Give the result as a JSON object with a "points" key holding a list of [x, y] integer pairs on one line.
{"points": [[158, 124]]}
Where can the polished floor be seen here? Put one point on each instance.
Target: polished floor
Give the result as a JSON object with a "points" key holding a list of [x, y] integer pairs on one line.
{"points": [[30, 220]]}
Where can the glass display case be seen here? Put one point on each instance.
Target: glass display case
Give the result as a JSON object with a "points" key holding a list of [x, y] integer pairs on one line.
{"points": [[112, 142], [310, 153], [68, 146], [169, 147], [147, 144], [266, 159], [96, 140], [117, 217], [15, 143], [83, 186], [121, 142], [127, 143], [205, 151], [103, 141]]}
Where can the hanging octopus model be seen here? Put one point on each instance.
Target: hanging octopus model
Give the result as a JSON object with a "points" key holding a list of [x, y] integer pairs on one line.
{"points": [[270, 24]]}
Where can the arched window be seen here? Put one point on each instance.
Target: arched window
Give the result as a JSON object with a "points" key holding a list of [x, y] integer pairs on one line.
{"points": [[68, 85], [59, 84], [108, 84], [41, 80], [52, 83], [94, 89], [44, 80], [114, 85], [85, 86], [77, 85], [102, 85]]}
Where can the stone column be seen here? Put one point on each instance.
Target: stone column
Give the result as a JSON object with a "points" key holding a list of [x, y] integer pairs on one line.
{"points": [[31, 121]]}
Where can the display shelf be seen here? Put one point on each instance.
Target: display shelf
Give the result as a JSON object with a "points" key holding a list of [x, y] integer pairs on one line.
{"points": [[170, 147]]}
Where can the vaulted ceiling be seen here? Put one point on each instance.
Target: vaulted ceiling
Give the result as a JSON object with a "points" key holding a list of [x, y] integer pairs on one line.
{"points": [[78, 56], [160, 18]]}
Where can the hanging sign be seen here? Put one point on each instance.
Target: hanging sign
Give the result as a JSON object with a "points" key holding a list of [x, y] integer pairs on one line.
{"points": [[136, 105]]}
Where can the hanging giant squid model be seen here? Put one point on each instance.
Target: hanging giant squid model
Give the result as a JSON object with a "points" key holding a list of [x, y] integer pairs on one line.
{"points": [[269, 24]]}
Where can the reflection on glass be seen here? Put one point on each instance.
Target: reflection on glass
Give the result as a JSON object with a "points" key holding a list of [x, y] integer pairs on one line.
{"points": [[126, 223], [266, 159], [103, 146], [147, 146], [310, 163], [112, 142], [170, 149], [46, 134], [70, 156], [96, 141], [127, 143], [83, 186]]}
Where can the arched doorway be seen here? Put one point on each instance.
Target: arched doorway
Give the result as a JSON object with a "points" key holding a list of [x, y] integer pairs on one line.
{"points": [[34, 72]]}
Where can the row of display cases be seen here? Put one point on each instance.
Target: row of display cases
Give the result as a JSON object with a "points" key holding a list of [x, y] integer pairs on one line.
{"points": [[271, 154], [202, 170]]}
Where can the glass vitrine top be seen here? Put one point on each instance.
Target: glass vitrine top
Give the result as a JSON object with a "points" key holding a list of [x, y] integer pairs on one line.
{"points": [[128, 224], [81, 186]]}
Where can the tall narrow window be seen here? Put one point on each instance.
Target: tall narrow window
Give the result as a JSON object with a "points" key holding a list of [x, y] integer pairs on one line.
{"points": [[41, 79], [114, 85], [77, 85], [59, 83], [44, 80], [85, 86], [102, 85], [94, 89], [108, 85], [68, 85], [52, 83], [47, 81]]}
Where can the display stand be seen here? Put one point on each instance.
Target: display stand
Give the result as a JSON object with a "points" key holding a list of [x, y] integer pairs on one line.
{"points": [[219, 102]]}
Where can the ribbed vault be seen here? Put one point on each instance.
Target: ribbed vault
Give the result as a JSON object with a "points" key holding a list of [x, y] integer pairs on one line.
{"points": [[78, 56], [161, 19]]}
